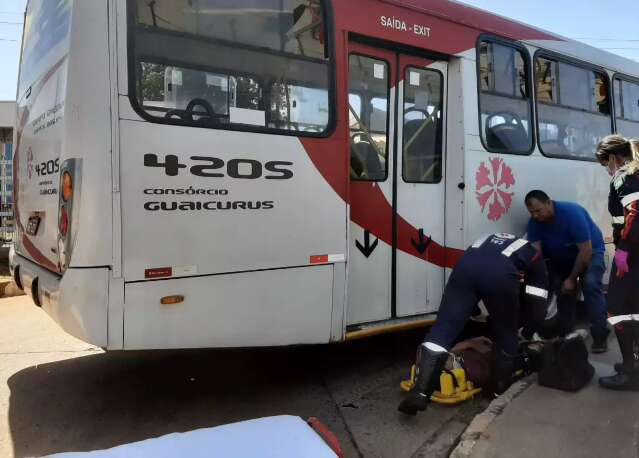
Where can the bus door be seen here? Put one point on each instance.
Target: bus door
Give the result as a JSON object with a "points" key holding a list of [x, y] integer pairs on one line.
{"points": [[396, 118], [420, 183]]}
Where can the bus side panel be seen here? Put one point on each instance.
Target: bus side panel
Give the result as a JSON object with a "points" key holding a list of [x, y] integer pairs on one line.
{"points": [[496, 184], [277, 307], [223, 209], [455, 155], [89, 133]]}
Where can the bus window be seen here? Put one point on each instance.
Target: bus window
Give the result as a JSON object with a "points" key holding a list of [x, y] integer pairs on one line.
{"points": [[505, 105], [422, 133], [355, 110], [627, 107], [298, 108], [46, 39], [243, 64], [573, 109], [368, 78]]}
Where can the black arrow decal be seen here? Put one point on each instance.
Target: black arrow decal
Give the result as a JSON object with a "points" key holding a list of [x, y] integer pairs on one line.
{"points": [[367, 249], [423, 242]]}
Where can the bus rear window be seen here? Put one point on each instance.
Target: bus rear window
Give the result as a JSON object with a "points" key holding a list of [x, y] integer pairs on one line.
{"points": [[247, 64], [46, 39]]}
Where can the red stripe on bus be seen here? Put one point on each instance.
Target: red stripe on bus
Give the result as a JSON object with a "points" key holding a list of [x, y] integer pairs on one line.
{"points": [[37, 254], [452, 28]]}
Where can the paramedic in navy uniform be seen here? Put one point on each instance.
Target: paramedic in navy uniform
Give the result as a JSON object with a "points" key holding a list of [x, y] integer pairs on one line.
{"points": [[509, 275], [617, 155], [574, 247]]}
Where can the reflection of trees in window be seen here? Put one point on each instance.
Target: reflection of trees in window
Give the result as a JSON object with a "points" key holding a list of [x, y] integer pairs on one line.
{"points": [[249, 93], [152, 82], [546, 80], [601, 94], [574, 108], [502, 70], [484, 67]]}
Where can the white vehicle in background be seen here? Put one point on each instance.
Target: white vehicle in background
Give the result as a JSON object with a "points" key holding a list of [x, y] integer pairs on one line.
{"points": [[232, 173], [283, 436]]}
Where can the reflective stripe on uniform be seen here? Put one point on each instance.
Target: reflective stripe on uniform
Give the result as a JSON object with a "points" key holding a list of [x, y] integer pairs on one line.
{"points": [[618, 220], [630, 198], [434, 347], [614, 320], [517, 244], [479, 242], [534, 291]]}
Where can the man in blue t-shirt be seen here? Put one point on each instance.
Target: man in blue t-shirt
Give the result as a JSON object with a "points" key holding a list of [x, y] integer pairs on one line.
{"points": [[574, 247]]}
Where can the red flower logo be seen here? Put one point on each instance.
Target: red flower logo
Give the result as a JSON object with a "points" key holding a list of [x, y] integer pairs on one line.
{"points": [[492, 185]]}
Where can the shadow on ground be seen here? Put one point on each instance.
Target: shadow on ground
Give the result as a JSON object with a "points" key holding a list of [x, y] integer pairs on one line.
{"points": [[104, 400]]}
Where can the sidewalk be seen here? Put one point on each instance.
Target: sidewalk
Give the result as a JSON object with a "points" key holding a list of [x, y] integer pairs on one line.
{"points": [[533, 421]]}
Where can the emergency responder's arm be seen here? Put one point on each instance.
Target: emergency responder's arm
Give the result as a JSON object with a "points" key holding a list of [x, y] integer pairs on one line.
{"points": [[615, 208], [630, 232], [532, 234], [535, 300]]}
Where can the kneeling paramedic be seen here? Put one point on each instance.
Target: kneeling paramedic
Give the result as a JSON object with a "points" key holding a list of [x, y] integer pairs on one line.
{"points": [[509, 275]]}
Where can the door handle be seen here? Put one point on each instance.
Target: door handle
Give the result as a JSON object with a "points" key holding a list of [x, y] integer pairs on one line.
{"points": [[461, 186]]}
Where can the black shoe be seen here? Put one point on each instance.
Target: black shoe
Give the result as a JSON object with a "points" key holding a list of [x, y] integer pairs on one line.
{"points": [[507, 369], [621, 367], [620, 381], [414, 402], [430, 362], [599, 345]]}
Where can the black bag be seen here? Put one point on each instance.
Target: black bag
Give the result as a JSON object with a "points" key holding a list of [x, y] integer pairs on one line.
{"points": [[564, 365]]}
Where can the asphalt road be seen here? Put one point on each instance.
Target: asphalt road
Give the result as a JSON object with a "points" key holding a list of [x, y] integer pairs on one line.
{"points": [[60, 394]]}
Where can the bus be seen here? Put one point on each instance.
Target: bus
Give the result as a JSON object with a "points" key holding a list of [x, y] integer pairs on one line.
{"points": [[238, 173]]}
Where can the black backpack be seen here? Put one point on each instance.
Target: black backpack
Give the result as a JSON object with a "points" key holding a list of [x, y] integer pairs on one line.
{"points": [[564, 365]]}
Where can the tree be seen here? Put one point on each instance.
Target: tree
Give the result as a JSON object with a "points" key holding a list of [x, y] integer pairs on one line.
{"points": [[152, 84]]}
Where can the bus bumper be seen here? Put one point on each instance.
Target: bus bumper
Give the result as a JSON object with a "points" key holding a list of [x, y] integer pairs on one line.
{"points": [[77, 300]]}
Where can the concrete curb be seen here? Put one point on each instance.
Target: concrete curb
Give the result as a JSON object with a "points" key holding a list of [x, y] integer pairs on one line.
{"points": [[481, 422]]}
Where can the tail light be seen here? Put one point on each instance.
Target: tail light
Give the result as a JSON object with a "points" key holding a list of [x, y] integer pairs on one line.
{"points": [[68, 205], [67, 186], [327, 435], [64, 221]]}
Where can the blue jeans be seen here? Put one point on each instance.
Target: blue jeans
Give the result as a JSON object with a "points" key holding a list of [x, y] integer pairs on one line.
{"points": [[594, 300]]}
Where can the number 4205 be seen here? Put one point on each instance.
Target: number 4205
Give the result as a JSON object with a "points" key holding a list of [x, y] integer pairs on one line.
{"points": [[47, 168]]}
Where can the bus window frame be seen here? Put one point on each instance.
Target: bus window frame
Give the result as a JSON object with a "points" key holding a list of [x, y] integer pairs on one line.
{"points": [[558, 57], [487, 37], [331, 125], [440, 128], [628, 79], [389, 89]]}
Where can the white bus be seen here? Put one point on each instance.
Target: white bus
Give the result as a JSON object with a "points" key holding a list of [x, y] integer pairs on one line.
{"points": [[231, 173]]}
